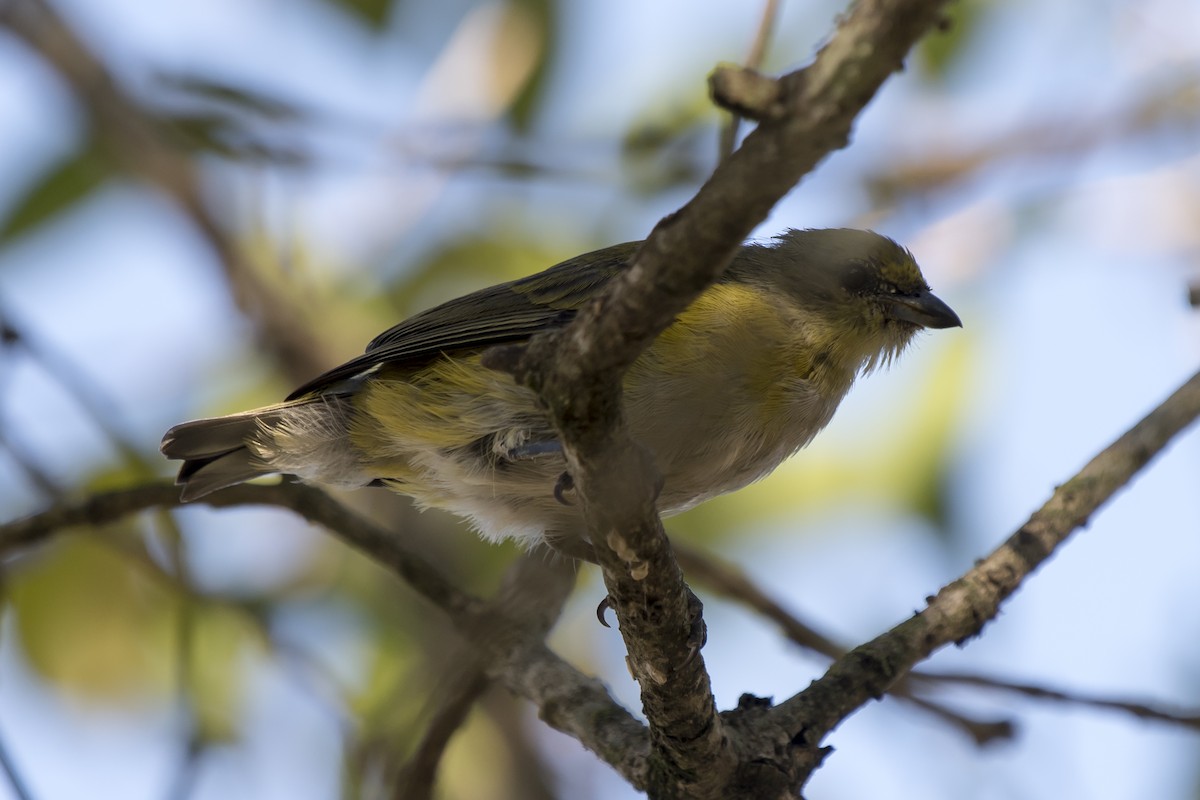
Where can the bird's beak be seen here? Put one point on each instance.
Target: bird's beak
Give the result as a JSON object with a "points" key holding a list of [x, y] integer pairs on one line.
{"points": [[924, 309]]}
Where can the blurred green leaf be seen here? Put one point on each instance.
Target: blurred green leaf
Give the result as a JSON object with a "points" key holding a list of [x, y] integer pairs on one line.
{"points": [[671, 147], [68, 182], [665, 125], [544, 15], [938, 53], [225, 136], [236, 122], [466, 264], [239, 98], [372, 12]]}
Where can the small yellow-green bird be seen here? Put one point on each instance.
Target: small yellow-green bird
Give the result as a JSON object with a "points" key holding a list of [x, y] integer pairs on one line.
{"points": [[742, 379]]}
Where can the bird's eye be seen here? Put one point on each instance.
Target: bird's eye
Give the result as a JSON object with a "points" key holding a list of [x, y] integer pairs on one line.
{"points": [[857, 279], [890, 288]]}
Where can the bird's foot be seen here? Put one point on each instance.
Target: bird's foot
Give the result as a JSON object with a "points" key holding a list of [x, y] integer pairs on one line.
{"points": [[528, 450], [603, 608], [564, 484]]}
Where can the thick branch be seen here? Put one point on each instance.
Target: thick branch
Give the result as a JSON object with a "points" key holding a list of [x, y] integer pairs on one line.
{"points": [[962, 608], [578, 373]]}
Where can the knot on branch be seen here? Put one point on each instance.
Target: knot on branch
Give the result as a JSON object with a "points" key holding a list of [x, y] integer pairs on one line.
{"points": [[746, 92]]}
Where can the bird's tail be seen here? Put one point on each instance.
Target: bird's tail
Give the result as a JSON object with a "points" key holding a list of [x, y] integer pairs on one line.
{"points": [[215, 451]]}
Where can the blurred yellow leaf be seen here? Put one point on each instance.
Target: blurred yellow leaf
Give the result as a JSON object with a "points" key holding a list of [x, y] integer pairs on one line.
{"points": [[222, 640], [94, 624]]}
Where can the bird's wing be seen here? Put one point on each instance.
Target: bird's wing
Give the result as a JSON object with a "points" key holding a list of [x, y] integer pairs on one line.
{"points": [[502, 314]]}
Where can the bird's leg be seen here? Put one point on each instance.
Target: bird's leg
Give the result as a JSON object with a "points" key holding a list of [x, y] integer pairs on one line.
{"points": [[564, 484], [531, 450], [697, 634], [571, 544], [528, 450]]}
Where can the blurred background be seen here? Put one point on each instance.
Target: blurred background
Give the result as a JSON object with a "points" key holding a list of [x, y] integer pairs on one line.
{"points": [[206, 202]]}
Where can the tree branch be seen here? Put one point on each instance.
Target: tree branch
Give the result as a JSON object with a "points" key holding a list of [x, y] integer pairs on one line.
{"points": [[577, 372], [758, 51], [962, 608], [728, 581], [1148, 710], [580, 707], [515, 654], [533, 593]]}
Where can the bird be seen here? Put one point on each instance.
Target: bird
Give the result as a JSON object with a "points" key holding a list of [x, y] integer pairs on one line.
{"points": [[740, 380]]}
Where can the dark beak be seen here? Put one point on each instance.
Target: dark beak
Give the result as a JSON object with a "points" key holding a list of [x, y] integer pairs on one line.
{"points": [[924, 309]]}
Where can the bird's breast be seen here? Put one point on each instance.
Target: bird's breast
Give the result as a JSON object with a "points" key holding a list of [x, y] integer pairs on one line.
{"points": [[726, 394]]}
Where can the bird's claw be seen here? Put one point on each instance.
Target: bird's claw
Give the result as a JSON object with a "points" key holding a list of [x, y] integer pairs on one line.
{"points": [[564, 484], [603, 608]]}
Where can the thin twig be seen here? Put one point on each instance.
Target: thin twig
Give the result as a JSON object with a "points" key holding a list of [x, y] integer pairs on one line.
{"points": [[1159, 712], [754, 60], [981, 731], [735, 585], [15, 780], [417, 775], [184, 782]]}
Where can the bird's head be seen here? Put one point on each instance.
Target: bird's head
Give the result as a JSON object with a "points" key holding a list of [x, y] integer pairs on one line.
{"points": [[857, 291]]}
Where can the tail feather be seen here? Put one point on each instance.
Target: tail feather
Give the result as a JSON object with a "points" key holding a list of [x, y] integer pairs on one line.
{"points": [[203, 476], [214, 451]]}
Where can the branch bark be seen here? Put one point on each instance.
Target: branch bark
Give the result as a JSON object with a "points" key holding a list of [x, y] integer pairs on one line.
{"points": [[777, 747], [514, 651], [960, 609], [577, 372]]}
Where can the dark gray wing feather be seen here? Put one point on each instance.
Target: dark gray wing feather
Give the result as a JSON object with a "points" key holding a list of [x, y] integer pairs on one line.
{"points": [[502, 314]]}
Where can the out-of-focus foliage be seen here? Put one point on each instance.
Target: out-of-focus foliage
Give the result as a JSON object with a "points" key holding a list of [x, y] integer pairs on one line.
{"points": [[93, 623], [962, 23], [540, 17], [374, 13], [65, 183], [665, 150]]}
